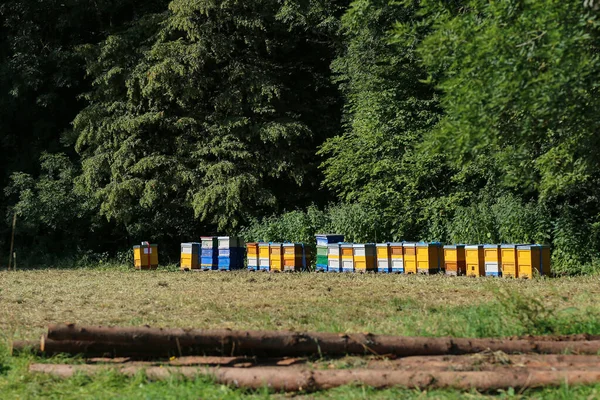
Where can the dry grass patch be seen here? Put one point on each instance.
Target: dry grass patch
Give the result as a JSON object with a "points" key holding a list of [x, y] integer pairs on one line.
{"points": [[386, 304]]}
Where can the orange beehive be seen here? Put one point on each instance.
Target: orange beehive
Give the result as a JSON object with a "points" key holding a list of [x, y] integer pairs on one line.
{"points": [[455, 263], [397, 258], [294, 258]]}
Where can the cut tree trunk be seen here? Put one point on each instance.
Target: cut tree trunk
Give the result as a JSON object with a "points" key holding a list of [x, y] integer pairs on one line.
{"points": [[285, 379], [20, 346], [182, 342]]}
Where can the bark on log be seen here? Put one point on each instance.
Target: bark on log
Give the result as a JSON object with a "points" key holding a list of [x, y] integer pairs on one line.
{"points": [[489, 362], [557, 338], [181, 342], [238, 362], [284, 379], [106, 349], [19, 346]]}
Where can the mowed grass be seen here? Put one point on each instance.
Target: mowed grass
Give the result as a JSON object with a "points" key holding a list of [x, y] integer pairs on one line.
{"points": [[382, 304]]}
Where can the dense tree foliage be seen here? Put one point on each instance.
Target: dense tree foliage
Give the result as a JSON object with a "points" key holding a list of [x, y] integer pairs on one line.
{"points": [[42, 77], [388, 110], [521, 104], [459, 121], [212, 113]]}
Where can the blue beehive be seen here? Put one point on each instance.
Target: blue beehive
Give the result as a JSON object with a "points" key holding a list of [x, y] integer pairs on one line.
{"points": [[231, 253], [324, 240], [209, 253]]}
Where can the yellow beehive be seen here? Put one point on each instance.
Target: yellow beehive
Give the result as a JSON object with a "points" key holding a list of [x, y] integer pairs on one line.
{"points": [[508, 260], [455, 263], [189, 256], [276, 257], [410, 258], [474, 258], [145, 256], [252, 255], [429, 258], [364, 257], [532, 260], [492, 258], [383, 257], [264, 254]]}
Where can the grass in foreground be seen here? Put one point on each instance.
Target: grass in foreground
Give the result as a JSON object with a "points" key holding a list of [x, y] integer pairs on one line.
{"points": [[384, 304]]}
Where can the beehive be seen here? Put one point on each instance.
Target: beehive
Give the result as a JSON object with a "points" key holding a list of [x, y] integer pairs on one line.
{"points": [[230, 242], [396, 258], [209, 242], [533, 260], [492, 257], [294, 257], [410, 257], [252, 256], [546, 269], [231, 253], [364, 257], [508, 260], [474, 258], [323, 240], [189, 256], [334, 258], [276, 257], [231, 259], [321, 263], [347, 257], [429, 258], [145, 256], [264, 252], [454, 260], [209, 253], [383, 257]]}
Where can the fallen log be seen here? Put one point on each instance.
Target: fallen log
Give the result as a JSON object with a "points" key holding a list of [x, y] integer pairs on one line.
{"points": [[179, 361], [238, 362], [105, 349], [284, 379], [181, 342], [489, 362], [20, 346], [557, 338]]}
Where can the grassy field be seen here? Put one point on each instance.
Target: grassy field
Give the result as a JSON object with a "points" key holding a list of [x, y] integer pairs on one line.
{"points": [[385, 304]]}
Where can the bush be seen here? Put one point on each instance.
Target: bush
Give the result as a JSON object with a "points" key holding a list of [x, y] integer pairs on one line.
{"points": [[354, 221]]}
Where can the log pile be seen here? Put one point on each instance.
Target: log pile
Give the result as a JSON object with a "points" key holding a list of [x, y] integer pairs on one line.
{"points": [[284, 361]]}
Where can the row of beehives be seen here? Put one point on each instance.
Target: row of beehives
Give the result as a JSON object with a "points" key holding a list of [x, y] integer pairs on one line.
{"points": [[213, 253], [227, 253], [333, 255], [432, 258]]}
